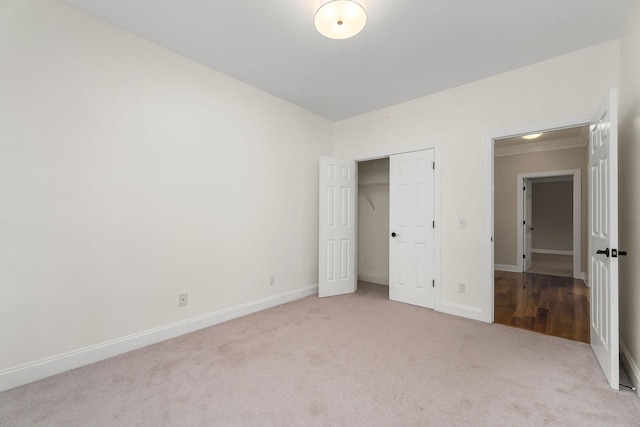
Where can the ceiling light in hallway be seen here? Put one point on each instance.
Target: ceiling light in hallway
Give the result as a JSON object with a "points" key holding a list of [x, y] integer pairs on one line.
{"points": [[532, 136]]}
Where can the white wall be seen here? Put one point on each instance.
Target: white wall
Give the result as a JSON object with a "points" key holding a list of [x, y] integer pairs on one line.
{"points": [[629, 193], [562, 88], [373, 221], [130, 174]]}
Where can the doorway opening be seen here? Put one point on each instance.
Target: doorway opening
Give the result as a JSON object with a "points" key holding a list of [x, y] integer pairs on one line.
{"points": [[540, 232], [412, 228], [549, 208], [549, 236], [373, 227]]}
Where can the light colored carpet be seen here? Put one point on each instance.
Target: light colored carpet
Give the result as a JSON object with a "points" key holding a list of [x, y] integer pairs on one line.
{"points": [[354, 360], [552, 265]]}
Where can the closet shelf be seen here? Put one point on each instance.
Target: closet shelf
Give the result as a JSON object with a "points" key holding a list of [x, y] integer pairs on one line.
{"points": [[373, 184]]}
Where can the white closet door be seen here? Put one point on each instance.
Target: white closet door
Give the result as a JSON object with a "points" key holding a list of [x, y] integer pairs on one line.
{"points": [[411, 224], [337, 228]]}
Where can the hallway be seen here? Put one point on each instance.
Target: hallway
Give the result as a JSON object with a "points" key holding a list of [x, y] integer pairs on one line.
{"points": [[551, 305]]}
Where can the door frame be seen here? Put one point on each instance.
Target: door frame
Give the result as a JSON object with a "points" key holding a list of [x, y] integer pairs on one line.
{"points": [[437, 147], [577, 215], [527, 212], [489, 140]]}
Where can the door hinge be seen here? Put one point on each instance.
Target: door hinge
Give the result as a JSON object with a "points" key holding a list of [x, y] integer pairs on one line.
{"points": [[433, 283], [434, 165], [434, 224], [524, 222], [524, 188], [524, 256]]}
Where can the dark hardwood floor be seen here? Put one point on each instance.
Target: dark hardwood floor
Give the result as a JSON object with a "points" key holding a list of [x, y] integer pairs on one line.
{"points": [[551, 305]]}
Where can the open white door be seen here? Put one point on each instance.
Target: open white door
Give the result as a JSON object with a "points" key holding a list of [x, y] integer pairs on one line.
{"points": [[527, 223], [337, 233], [603, 237], [411, 223]]}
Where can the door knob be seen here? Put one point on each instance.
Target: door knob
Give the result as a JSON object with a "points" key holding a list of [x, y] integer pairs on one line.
{"points": [[615, 253], [393, 234], [605, 252]]}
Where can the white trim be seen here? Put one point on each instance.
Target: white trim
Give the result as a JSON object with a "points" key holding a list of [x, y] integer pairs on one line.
{"points": [[505, 267], [631, 366], [356, 271], [386, 153], [562, 178], [437, 147], [437, 233], [577, 214], [374, 279], [488, 302], [29, 372], [460, 310], [537, 147], [488, 294], [551, 252]]}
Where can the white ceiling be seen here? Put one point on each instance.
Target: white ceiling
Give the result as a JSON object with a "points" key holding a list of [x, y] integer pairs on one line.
{"points": [[409, 48]]}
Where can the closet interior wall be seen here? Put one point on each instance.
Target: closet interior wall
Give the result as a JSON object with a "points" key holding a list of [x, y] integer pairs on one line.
{"points": [[373, 221]]}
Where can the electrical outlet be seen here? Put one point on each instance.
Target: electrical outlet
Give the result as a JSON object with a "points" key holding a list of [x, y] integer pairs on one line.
{"points": [[182, 300], [272, 280], [462, 288]]}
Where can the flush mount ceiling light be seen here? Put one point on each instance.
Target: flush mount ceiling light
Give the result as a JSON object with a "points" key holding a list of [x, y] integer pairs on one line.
{"points": [[532, 136], [340, 19]]}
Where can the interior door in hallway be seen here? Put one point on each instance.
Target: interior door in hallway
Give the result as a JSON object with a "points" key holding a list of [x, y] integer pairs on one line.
{"points": [[411, 224], [527, 223], [603, 238], [337, 227]]}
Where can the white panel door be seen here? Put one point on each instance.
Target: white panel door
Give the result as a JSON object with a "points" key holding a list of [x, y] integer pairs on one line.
{"points": [[527, 223], [337, 231], [411, 223], [603, 239]]}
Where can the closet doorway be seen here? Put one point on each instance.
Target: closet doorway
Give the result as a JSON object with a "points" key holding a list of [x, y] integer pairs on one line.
{"points": [[385, 213], [373, 222]]}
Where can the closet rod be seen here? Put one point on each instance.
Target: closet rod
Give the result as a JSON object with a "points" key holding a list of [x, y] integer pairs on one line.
{"points": [[373, 184]]}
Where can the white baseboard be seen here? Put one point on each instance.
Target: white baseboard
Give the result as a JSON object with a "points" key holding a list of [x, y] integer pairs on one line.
{"points": [[551, 252], [631, 366], [582, 276], [27, 373], [505, 267], [461, 310], [374, 279]]}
